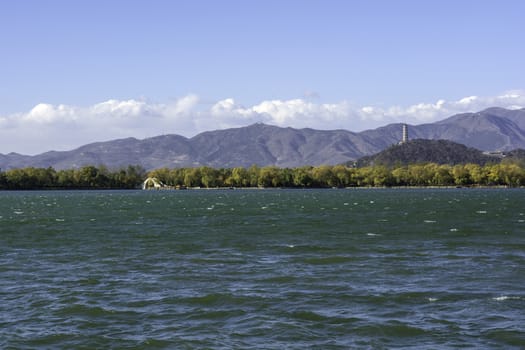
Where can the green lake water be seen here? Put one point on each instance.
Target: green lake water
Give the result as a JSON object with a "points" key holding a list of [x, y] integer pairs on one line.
{"points": [[263, 269]]}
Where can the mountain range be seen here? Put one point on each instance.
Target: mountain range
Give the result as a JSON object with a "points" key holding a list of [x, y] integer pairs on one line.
{"points": [[493, 129]]}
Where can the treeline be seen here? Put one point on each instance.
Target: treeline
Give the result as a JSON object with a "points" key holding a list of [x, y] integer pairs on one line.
{"points": [[325, 176], [430, 174], [87, 177]]}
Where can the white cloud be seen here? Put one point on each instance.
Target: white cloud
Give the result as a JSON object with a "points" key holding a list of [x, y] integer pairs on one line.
{"points": [[184, 105], [46, 126], [44, 113], [296, 113], [468, 100]]}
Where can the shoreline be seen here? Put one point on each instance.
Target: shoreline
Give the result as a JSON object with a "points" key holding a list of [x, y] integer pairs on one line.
{"points": [[331, 188], [173, 189]]}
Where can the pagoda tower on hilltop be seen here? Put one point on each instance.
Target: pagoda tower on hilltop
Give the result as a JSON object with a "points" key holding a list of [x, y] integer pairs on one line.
{"points": [[404, 138]]}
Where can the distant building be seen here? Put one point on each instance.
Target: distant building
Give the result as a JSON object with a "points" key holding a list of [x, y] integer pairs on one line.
{"points": [[497, 154], [404, 138]]}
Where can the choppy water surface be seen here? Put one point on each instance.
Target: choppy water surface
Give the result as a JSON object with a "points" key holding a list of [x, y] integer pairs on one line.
{"points": [[272, 269]]}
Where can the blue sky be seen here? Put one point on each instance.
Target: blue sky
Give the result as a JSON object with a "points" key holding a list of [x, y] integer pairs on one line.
{"points": [[74, 72]]}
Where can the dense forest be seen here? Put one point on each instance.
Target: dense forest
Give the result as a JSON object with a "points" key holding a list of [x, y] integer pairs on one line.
{"points": [[88, 177], [430, 174]]}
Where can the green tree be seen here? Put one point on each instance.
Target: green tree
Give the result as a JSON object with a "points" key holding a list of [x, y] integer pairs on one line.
{"points": [[66, 178], [365, 176], [302, 177], [381, 176], [478, 174], [253, 175], [16, 179], [176, 177], [323, 176], [401, 176], [192, 177], [442, 175], [269, 177], [341, 175], [3, 180], [209, 177], [419, 175], [461, 175], [134, 176], [162, 174], [286, 177], [239, 177], [513, 175]]}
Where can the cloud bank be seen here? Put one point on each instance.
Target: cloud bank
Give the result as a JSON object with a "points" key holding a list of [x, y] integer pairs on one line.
{"points": [[62, 127]]}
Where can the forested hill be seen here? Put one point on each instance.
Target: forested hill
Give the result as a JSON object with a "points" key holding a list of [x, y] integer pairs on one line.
{"points": [[516, 156], [427, 151]]}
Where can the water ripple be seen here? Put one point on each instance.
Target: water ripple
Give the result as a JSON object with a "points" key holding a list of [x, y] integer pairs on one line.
{"points": [[411, 269]]}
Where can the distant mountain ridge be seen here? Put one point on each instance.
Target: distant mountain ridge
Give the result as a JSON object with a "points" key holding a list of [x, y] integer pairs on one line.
{"points": [[493, 129]]}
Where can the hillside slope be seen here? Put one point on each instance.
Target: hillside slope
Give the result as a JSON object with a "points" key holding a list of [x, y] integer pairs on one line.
{"points": [[427, 151]]}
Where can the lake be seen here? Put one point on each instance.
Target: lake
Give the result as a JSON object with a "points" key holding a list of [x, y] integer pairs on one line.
{"points": [[264, 269]]}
